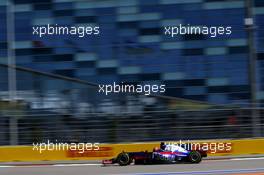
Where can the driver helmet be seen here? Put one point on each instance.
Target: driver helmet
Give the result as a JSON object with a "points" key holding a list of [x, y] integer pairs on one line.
{"points": [[162, 145]]}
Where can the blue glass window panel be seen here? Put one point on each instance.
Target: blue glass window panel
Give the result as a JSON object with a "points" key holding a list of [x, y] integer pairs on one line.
{"points": [[149, 24], [106, 19], [3, 53], [259, 19], [64, 50], [85, 72], [195, 90], [218, 98], [65, 21], [41, 14], [63, 6], [238, 77], [148, 3], [23, 59], [224, 17], [171, 13], [107, 79], [2, 10], [260, 45], [47, 66], [84, 12], [23, 16], [151, 69], [104, 11]]}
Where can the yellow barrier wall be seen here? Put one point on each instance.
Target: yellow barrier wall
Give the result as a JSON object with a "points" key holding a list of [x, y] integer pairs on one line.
{"points": [[26, 153]]}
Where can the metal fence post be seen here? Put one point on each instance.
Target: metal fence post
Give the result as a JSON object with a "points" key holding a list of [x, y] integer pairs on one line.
{"points": [[250, 26]]}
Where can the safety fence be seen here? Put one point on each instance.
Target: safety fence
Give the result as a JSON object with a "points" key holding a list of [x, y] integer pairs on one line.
{"points": [[150, 125]]}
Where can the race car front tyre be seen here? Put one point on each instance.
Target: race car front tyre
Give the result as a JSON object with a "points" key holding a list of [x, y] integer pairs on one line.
{"points": [[195, 157], [123, 159]]}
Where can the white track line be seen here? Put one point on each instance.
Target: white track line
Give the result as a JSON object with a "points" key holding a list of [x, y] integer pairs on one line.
{"points": [[249, 158], [7, 166], [233, 159]]}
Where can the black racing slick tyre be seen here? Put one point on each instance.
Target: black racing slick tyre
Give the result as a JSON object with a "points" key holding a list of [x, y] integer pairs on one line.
{"points": [[123, 159], [195, 157]]}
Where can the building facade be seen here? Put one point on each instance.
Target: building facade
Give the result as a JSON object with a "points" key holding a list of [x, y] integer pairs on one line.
{"points": [[132, 47]]}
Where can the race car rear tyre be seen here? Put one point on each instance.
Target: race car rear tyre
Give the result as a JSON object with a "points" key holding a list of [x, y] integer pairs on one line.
{"points": [[195, 157], [123, 159]]}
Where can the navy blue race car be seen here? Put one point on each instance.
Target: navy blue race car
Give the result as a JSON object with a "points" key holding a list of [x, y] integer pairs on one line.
{"points": [[166, 154]]}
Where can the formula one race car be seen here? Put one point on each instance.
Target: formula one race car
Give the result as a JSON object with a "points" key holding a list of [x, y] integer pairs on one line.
{"points": [[166, 154]]}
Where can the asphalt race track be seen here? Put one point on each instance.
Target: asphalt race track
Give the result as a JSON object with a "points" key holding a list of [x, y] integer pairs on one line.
{"points": [[245, 166]]}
